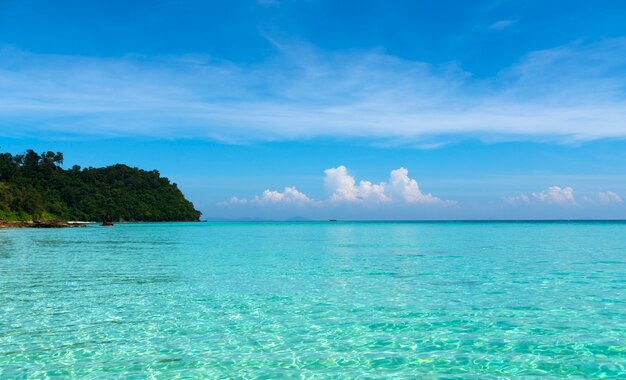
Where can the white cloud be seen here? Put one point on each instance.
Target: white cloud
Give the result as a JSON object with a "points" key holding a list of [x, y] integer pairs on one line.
{"points": [[340, 184], [234, 201], [569, 93], [373, 192], [514, 200], [502, 24], [290, 195], [343, 188], [401, 185], [556, 195], [609, 197], [553, 195]]}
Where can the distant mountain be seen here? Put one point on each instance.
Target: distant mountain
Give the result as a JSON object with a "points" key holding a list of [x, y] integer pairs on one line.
{"points": [[34, 186], [297, 219], [292, 219], [214, 219]]}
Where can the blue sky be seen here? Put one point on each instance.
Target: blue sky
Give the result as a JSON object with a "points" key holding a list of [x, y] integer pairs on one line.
{"points": [[326, 109]]}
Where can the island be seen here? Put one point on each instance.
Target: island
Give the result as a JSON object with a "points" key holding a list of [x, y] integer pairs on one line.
{"points": [[36, 191]]}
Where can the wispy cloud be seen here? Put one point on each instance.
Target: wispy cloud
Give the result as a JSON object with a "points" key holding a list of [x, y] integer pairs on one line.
{"points": [[502, 24], [570, 93]]}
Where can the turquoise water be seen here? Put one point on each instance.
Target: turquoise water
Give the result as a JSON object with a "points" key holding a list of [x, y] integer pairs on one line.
{"points": [[314, 300]]}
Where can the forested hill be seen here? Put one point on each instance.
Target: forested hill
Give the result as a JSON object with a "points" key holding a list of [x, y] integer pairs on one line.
{"points": [[35, 186]]}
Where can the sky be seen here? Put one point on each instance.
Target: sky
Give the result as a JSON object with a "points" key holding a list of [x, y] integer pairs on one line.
{"points": [[274, 109]]}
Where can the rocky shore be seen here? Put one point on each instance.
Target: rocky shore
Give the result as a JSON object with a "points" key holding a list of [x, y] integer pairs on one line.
{"points": [[39, 224]]}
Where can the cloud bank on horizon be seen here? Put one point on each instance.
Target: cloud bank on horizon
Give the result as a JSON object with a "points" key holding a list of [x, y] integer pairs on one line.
{"points": [[573, 92], [401, 192], [343, 188]]}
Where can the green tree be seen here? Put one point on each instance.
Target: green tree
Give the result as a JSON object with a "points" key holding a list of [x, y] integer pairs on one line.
{"points": [[32, 185]]}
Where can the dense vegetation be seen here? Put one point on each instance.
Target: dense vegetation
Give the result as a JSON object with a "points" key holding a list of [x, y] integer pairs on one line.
{"points": [[35, 186]]}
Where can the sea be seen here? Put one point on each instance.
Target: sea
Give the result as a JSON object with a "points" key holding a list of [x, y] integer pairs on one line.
{"points": [[318, 300]]}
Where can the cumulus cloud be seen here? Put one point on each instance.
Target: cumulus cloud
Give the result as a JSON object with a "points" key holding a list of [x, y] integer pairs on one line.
{"points": [[553, 195], [290, 195], [407, 189], [556, 195], [343, 189], [400, 188], [609, 197], [568, 93]]}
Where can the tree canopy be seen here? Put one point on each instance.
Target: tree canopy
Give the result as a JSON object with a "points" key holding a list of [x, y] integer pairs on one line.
{"points": [[35, 186]]}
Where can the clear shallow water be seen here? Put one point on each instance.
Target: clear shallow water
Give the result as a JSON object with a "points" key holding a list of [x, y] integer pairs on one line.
{"points": [[314, 300]]}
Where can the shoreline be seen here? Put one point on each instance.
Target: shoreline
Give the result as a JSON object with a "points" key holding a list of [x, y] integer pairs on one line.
{"points": [[41, 224], [61, 223]]}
